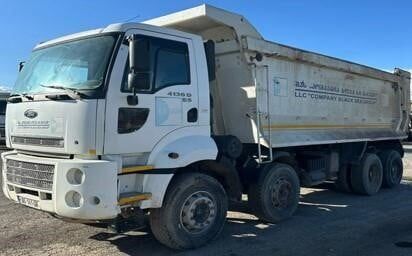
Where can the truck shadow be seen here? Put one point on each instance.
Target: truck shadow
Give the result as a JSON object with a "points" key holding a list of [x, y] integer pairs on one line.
{"points": [[319, 206]]}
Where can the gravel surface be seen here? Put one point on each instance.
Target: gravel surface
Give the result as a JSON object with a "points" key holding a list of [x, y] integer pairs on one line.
{"points": [[326, 223]]}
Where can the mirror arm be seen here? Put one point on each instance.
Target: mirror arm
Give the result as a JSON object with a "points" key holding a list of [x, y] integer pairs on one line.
{"points": [[132, 99]]}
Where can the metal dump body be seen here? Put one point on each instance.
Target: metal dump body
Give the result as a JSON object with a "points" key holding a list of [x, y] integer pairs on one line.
{"points": [[307, 98], [282, 96]]}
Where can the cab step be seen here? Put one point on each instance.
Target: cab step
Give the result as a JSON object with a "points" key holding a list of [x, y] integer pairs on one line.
{"points": [[133, 197]]}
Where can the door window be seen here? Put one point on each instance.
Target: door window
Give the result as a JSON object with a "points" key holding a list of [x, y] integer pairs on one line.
{"points": [[169, 64]]}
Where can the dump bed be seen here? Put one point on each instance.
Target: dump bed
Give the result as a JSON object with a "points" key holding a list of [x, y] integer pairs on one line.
{"points": [[283, 96]]}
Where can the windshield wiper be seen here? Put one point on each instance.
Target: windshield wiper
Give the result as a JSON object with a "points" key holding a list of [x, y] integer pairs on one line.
{"points": [[72, 92], [16, 97]]}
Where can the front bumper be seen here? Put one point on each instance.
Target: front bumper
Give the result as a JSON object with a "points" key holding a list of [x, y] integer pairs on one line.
{"points": [[46, 184]]}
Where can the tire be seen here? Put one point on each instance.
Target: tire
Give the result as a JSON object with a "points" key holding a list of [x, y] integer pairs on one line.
{"points": [[367, 177], [193, 212], [275, 196], [343, 183], [392, 168]]}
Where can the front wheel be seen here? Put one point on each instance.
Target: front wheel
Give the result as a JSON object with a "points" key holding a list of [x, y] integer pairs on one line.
{"points": [[275, 196], [193, 212]]}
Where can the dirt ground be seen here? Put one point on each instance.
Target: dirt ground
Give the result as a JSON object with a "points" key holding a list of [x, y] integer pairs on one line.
{"points": [[326, 223]]}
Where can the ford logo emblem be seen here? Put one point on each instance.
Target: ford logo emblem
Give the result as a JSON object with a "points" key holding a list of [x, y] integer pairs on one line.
{"points": [[30, 113]]}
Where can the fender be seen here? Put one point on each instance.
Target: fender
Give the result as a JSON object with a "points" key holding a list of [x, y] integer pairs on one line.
{"points": [[189, 147], [182, 147], [156, 184]]}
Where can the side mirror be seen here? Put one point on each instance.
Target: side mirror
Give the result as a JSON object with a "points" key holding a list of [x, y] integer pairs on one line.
{"points": [[21, 65], [139, 64]]}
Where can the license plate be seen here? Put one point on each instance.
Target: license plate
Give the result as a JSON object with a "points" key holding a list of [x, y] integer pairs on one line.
{"points": [[28, 202]]}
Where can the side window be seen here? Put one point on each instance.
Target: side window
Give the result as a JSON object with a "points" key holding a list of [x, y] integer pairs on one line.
{"points": [[169, 64], [172, 68]]}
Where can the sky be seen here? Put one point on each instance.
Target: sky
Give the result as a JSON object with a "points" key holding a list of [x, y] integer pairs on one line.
{"points": [[372, 32]]}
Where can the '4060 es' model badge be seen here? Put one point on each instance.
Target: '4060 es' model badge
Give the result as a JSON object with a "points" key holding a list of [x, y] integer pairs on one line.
{"points": [[30, 113]]}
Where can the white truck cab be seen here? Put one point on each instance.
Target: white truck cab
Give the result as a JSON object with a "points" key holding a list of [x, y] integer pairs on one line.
{"points": [[175, 116], [84, 139]]}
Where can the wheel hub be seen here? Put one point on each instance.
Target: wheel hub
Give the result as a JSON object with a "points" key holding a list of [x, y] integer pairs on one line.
{"points": [[396, 171], [198, 212], [281, 191], [374, 175]]}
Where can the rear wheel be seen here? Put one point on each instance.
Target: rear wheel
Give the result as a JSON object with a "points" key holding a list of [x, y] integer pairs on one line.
{"points": [[275, 196], [392, 168], [367, 176], [193, 212]]}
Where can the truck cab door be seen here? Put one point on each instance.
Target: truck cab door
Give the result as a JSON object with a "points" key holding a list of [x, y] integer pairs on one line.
{"points": [[171, 102]]}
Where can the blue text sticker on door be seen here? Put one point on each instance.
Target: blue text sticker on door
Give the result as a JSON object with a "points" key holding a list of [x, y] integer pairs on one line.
{"points": [[280, 86]]}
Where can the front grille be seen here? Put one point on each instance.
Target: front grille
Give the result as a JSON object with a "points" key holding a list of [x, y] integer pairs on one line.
{"points": [[46, 142], [30, 174]]}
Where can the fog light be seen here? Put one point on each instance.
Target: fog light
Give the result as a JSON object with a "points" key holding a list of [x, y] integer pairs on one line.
{"points": [[75, 176], [74, 199]]}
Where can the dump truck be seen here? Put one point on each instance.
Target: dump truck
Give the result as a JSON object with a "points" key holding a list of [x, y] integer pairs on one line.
{"points": [[175, 117]]}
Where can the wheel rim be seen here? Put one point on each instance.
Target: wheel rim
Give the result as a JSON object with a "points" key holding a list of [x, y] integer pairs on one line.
{"points": [[281, 193], [395, 171], [198, 212], [374, 176]]}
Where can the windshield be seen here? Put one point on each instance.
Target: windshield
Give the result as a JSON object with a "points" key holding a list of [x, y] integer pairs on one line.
{"points": [[79, 64]]}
